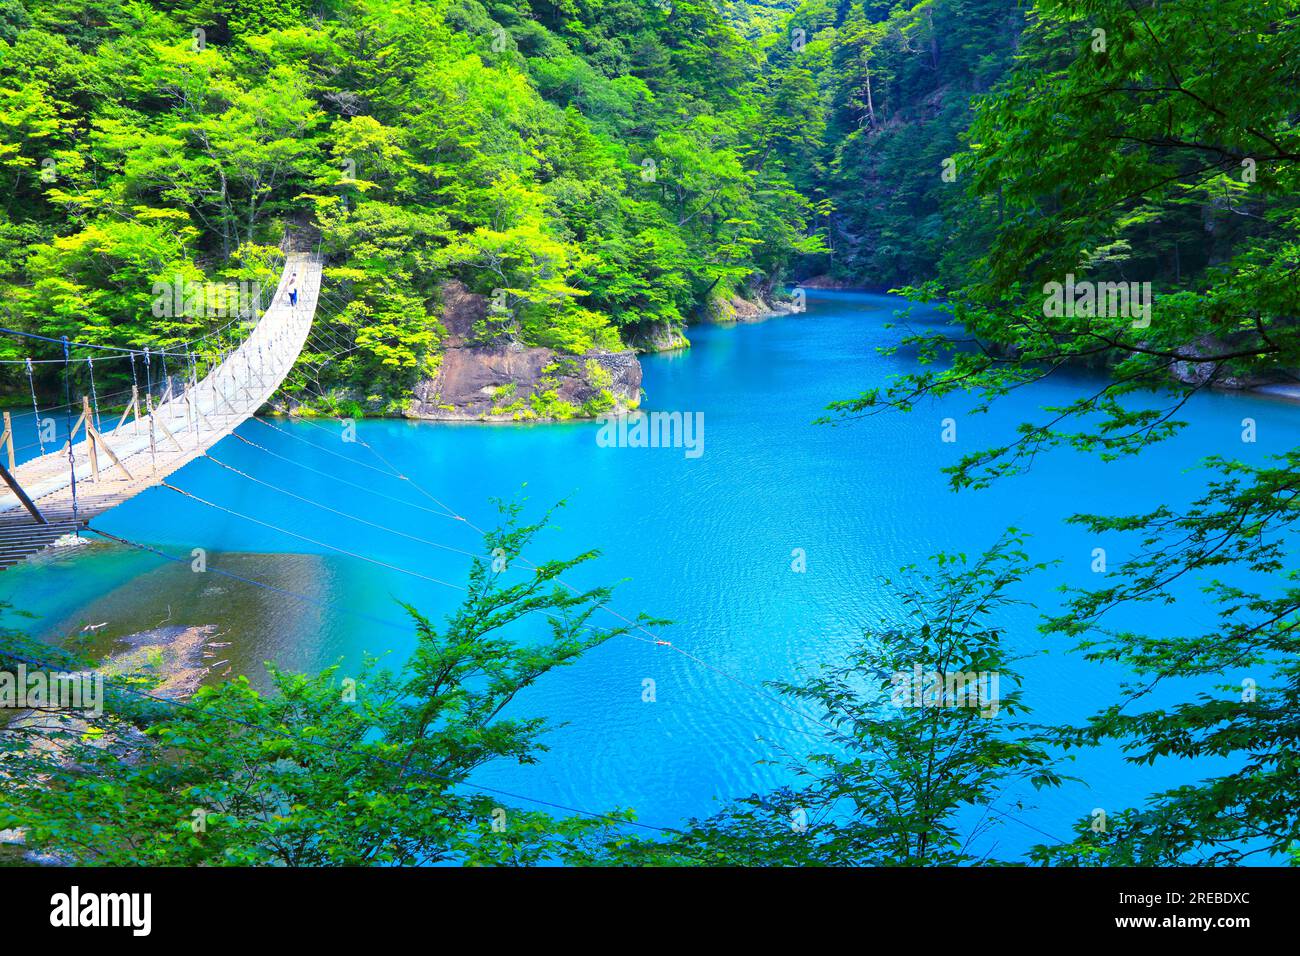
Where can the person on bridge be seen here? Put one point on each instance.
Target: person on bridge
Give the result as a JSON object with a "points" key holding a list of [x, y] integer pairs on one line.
{"points": [[293, 290]]}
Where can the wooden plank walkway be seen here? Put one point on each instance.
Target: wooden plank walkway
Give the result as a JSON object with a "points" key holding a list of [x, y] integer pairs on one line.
{"points": [[138, 453]]}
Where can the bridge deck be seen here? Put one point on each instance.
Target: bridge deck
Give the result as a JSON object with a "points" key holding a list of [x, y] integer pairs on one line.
{"points": [[177, 431]]}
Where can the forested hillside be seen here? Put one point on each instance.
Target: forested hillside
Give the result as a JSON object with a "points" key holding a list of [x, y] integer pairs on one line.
{"points": [[596, 169], [880, 94], [1110, 183], [1128, 196]]}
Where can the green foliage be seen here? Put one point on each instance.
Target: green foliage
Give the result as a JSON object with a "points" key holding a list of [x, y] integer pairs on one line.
{"points": [[1148, 142], [864, 103], [890, 785], [599, 167], [500, 146], [325, 769]]}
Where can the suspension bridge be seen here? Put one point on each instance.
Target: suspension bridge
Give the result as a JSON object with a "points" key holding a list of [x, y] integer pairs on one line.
{"points": [[98, 468], [59, 492]]}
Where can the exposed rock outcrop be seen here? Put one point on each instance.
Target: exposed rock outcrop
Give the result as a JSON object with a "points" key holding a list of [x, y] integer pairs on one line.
{"points": [[659, 337], [1192, 372], [503, 381], [825, 282], [727, 309], [179, 657]]}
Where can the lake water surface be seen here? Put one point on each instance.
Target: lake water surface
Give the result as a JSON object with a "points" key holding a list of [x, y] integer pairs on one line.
{"points": [[706, 542]]}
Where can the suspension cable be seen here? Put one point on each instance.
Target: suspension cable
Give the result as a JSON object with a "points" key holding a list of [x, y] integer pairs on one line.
{"points": [[36, 412], [67, 396], [94, 398]]}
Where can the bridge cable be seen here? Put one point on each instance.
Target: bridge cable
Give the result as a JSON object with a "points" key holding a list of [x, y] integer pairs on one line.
{"points": [[343, 481], [94, 398], [305, 598], [327, 451], [345, 748], [63, 341], [67, 414], [344, 514], [36, 412], [322, 544], [353, 554], [651, 637]]}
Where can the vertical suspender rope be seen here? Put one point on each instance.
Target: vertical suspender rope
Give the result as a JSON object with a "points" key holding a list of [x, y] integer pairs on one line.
{"points": [[194, 384], [36, 412], [94, 398], [192, 396], [148, 404], [214, 375], [135, 394], [67, 398]]}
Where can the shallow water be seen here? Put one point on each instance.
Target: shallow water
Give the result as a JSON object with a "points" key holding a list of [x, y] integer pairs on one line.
{"points": [[706, 542]]}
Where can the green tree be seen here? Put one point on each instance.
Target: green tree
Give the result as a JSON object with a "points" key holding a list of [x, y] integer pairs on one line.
{"points": [[1122, 124], [323, 769], [924, 735]]}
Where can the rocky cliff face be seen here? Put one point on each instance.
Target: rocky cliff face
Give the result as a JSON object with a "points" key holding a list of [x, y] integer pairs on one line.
{"points": [[502, 382], [659, 337], [726, 309], [1193, 372], [825, 282]]}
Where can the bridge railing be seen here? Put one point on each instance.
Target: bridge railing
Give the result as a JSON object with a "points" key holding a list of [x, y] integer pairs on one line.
{"points": [[228, 377]]}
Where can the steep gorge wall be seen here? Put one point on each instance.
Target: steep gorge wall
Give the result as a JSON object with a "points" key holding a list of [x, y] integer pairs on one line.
{"points": [[502, 381]]}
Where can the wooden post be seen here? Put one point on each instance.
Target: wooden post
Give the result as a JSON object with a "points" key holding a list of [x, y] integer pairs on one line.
{"points": [[133, 406], [234, 411], [168, 432], [9, 440], [72, 435], [90, 441], [12, 482], [191, 411], [99, 440]]}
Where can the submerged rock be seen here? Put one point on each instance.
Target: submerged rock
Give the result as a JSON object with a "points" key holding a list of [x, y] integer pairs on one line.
{"points": [[179, 656]]}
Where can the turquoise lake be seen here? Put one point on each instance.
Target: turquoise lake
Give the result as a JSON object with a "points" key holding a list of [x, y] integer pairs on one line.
{"points": [[706, 542]]}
